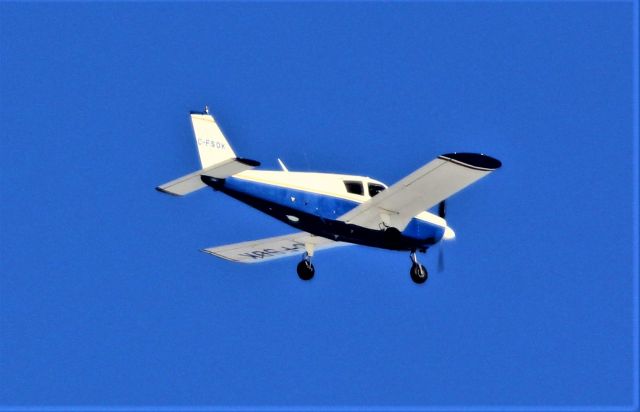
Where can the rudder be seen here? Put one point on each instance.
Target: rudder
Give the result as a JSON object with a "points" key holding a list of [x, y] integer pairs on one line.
{"points": [[213, 147]]}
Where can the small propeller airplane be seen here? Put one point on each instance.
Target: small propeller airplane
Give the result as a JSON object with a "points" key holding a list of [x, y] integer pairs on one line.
{"points": [[330, 210]]}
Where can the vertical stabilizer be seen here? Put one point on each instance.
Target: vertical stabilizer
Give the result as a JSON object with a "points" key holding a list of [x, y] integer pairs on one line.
{"points": [[217, 158], [213, 147]]}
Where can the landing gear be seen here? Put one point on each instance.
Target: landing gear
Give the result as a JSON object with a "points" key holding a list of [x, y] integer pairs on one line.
{"points": [[305, 268], [418, 272]]}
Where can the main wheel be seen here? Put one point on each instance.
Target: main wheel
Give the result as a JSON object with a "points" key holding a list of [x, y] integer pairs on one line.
{"points": [[305, 270], [419, 273]]}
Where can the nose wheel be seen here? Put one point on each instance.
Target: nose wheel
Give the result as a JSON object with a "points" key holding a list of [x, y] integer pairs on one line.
{"points": [[418, 272], [305, 268]]}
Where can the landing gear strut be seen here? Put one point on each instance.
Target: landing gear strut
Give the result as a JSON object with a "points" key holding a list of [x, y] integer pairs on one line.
{"points": [[418, 272], [305, 268]]}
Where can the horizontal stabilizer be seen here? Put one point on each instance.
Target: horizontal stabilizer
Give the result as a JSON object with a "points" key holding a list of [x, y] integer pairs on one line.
{"points": [[257, 251], [192, 182]]}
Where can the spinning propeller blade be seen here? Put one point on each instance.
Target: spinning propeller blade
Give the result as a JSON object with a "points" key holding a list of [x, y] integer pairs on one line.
{"points": [[442, 209], [442, 212]]}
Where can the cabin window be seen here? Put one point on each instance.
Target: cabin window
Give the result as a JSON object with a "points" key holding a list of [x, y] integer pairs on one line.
{"points": [[354, 187], [375, 188]]}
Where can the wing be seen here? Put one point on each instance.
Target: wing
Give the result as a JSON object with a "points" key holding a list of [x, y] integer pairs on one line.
{"points": [[256, 251], [422, 189]]}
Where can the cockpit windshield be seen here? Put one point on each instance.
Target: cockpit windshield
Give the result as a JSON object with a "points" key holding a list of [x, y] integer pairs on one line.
{"points": [[375, 188]]}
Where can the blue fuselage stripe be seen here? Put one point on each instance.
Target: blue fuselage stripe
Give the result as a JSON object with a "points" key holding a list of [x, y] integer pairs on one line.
{"points": [[327, 207], [322, 210]]}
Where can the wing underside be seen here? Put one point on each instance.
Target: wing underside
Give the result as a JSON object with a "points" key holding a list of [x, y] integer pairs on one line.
{"points": [[262, 250], [422, 189]]}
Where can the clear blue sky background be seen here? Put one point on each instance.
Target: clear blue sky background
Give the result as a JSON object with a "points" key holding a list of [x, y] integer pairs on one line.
{"points": [[105, 299]]}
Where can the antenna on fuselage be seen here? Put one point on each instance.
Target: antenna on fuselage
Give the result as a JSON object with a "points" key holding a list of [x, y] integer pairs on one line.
{"points": [[284, 168]]}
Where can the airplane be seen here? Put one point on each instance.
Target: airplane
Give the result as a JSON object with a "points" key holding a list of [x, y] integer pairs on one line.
{"points": [[330, 210]]}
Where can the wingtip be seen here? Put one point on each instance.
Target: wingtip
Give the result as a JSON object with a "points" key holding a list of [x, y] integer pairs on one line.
{"points": [[473, 160], [161, 190]]}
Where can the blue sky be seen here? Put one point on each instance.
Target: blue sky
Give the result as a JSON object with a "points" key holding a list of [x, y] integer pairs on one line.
{"points": [[105, 299]]}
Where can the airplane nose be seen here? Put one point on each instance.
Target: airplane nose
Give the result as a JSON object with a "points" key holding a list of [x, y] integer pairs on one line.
{"points": [[448, 233]]}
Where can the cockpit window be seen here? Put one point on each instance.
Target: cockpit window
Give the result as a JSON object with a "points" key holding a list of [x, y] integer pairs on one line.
{"points": [[375, 188], [354, 187]]}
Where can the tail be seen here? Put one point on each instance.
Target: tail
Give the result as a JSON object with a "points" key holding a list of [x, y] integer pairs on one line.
{"points": [[213, 147], [217, 158]]}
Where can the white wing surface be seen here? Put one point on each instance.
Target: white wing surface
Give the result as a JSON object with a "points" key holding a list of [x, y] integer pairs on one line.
{"points": [[422, 189], [256, 251]]}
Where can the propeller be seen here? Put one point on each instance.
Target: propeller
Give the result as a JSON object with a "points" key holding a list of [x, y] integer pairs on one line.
{"points": [[442, 212], [442, 209]]}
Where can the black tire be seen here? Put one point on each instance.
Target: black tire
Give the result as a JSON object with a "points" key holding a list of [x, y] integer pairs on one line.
{"points": [[419, 274], [305, 270]]}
